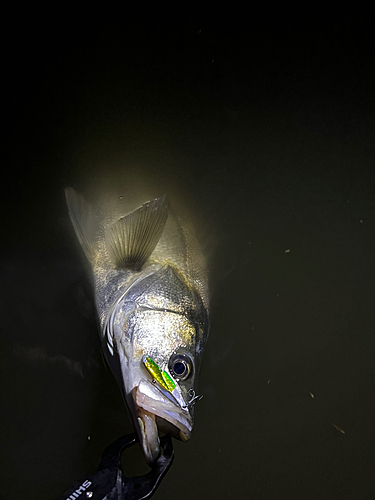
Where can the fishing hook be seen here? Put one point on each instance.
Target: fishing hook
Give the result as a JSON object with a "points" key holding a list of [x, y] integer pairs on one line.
{"points": [[193, 399]]}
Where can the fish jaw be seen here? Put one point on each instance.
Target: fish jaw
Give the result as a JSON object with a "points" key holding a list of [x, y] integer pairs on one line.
{"points": [[154, 412]]}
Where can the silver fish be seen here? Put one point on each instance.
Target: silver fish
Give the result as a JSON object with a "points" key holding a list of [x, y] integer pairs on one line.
{"points": [[152, 301]]}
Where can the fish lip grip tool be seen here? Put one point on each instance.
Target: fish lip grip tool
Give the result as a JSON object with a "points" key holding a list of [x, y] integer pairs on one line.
{"points": [[109, 481]]}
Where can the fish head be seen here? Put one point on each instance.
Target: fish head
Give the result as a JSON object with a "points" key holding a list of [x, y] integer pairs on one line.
{"points": [[159, 356]]}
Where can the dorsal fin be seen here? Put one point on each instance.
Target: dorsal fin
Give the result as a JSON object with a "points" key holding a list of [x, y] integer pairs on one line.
{"points": [[83, 219], [131, 240]]}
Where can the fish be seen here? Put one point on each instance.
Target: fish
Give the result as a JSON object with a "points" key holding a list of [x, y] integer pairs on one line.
{"points": [[151, 293]]}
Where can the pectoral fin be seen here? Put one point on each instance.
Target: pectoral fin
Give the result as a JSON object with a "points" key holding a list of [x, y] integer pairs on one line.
{"points": [[131, 240]]}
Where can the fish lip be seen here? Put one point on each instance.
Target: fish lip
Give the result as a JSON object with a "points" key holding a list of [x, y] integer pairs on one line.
{"points": [[148, 397]]}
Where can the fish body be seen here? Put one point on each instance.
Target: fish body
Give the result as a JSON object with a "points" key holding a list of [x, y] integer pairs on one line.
{"points": [[152, 303]]}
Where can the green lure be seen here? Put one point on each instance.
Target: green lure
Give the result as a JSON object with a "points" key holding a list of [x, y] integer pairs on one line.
{"points": [[159, 375]]}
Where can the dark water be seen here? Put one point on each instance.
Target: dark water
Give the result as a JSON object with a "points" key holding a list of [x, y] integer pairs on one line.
{"points": [[266, 125]]}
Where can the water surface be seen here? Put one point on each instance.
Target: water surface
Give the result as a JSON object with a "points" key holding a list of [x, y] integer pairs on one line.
{"points": [[267, 133]]}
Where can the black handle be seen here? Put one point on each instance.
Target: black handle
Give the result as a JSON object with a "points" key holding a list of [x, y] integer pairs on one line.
{"points": [[109, 481]]}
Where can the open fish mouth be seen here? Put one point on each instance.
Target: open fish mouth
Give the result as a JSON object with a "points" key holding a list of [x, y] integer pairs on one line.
{"points": [[156, 411]]}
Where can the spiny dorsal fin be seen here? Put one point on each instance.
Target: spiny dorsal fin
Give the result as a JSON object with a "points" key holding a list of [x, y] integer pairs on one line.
{"points": [[83, 220], [131, 240]]}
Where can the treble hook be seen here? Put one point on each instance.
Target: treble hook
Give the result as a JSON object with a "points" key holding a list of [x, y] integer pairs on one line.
{"points": [[193, 399]]}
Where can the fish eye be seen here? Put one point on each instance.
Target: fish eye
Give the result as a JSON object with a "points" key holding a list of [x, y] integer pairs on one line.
{"points": [[180, 366]]}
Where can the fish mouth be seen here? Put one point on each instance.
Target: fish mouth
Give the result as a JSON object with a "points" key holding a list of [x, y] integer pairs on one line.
{"points": [[156, 411]]}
